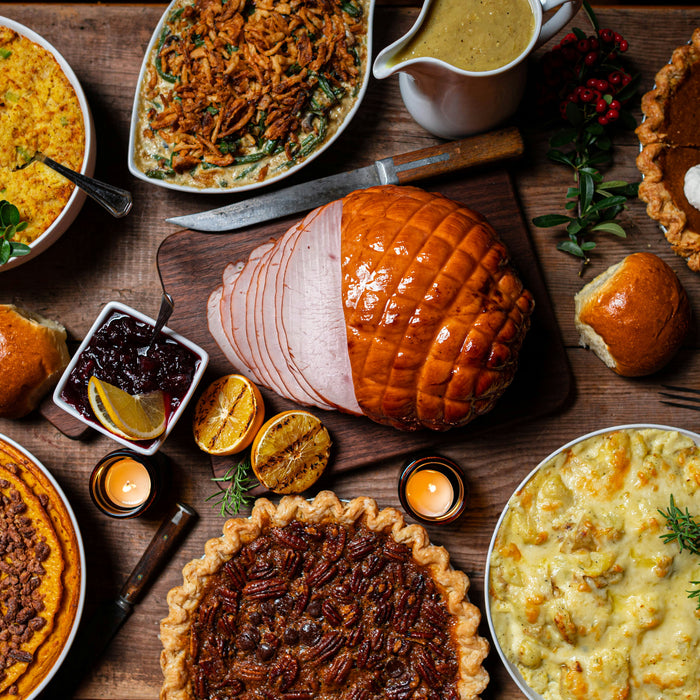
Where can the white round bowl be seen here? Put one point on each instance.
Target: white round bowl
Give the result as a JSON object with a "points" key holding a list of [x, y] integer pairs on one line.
{"points": [[81, 554], [511, 667], [137, 172], [77, 198]]}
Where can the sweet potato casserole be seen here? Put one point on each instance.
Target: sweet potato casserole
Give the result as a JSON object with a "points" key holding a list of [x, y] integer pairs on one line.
{"points": [[40, 574], [588, 599], [240, 91], [39, 111]]}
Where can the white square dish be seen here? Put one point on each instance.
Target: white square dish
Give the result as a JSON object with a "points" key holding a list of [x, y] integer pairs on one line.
{"points": [[142, 447]]}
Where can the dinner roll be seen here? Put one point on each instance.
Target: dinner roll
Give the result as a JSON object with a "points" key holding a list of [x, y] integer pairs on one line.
{"points": [[33, 355], [634, 315]]}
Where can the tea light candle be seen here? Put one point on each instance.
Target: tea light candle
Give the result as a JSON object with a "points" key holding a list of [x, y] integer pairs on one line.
{"points": [[123, 484], [432, 489], [127, 483], [429, 492]]}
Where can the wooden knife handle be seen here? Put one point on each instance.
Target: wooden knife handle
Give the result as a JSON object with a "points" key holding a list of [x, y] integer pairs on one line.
{"points": [[466, 153], [157, 552]]}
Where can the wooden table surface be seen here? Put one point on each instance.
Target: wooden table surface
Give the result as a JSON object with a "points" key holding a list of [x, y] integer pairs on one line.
{"points": [[100, 259]]}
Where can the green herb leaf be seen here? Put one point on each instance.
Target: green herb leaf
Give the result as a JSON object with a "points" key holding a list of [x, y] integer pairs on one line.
{"points": [[610, 227], [10, 225], [231, 499], [585, 143], [563, 137], [571, 248], [684, 529], [550, 220]]}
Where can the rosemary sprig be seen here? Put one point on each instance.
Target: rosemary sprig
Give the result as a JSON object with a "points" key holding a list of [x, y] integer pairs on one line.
{"points": [[683, 529], [695, 593], [231, 499], [10, 224]]}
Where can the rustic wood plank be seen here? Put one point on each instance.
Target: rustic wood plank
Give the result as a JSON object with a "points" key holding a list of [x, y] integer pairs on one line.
{"points": [[100, 259]]}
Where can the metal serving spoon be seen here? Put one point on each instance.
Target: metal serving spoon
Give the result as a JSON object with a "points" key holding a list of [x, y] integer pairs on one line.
{"points": [[167, 305], [114, 199]]}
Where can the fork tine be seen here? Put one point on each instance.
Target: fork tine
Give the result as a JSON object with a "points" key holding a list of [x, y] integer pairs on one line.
{"points": [[692, 407], [678, 397], [681, 388]]}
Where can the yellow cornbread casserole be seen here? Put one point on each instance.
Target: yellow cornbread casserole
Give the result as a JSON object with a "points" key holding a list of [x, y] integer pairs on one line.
{"points": [[39, 111], [587, 600]]}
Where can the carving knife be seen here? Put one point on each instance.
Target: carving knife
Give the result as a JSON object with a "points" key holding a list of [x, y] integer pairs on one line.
{"points": [[399, 170], [95, 634]]}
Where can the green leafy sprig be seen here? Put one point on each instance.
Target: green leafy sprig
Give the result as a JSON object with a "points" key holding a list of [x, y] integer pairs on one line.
{"points": [[231, 499], [683, 527], [585, 144], [10, 224], [685, 530]]}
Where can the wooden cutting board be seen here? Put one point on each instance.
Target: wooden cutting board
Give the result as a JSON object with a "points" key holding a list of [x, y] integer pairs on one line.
{"points": [[191, 264]]}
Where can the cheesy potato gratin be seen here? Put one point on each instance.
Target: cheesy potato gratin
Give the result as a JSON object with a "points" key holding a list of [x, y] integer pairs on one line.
{"points": [[39, 111], [586, 598]]}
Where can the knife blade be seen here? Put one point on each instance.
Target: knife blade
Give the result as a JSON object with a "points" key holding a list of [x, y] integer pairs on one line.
{"points": [[398, 170], [94, 636]]}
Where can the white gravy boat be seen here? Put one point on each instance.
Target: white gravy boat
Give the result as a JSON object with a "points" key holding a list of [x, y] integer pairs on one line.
{"points": [[450, 102]]}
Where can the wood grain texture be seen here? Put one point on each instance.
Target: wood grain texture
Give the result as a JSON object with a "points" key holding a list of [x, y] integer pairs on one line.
{"points": [[480, 150], [100, 259]]}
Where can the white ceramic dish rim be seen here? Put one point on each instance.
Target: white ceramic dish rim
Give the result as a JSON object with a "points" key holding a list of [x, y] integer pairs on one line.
{"points": [[83, 571], [108, 310], [380, 73], [510, 667], [136, 172], [77, 197]]}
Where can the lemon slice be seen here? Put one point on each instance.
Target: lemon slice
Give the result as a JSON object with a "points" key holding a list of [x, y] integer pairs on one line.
{"points": [[290, 452], [228, 415], [134, 417]]}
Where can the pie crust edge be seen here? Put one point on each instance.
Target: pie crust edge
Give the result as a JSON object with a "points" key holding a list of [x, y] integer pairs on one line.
{"points": [[652, 190], [183, 600]]}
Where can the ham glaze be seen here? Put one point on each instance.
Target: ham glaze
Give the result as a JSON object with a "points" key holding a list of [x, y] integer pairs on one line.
{"points": [[392, 302]]}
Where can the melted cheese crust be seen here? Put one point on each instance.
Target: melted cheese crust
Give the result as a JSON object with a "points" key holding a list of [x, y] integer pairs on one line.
{"points": [[587, 600]]}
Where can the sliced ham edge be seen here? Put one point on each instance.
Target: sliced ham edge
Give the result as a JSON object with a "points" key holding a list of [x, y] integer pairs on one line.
{"points": [[312, 313]]}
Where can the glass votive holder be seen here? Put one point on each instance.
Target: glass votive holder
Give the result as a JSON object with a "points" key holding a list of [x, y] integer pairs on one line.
{"points": [[124, 484], [432, 489]]}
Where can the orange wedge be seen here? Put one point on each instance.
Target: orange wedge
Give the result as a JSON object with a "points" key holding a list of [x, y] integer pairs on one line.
{"points": [[228, 415], [290, 452], [134, 417]]}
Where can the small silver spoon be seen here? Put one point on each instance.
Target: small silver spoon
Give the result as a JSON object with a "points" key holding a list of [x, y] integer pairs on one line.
{"points": [[114, 199], [167, 305]]}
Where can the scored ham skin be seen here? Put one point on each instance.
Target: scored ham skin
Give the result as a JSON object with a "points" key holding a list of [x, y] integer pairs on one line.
{"points": [[435, 314], [392, 302]]}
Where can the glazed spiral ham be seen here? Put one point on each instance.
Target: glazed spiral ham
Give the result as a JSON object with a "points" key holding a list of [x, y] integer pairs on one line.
{"points": [[392, 303]]}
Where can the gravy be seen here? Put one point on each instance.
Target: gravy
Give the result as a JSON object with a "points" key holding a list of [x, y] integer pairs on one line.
{"points": [[474, 35]]}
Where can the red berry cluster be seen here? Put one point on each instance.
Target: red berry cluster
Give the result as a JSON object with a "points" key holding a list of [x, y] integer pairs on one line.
{"points": [[587, 72]]}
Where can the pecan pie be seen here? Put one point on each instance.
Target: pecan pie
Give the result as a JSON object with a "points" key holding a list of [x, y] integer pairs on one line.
{"points": [[670, 139], [40, 573], [321, 600]]}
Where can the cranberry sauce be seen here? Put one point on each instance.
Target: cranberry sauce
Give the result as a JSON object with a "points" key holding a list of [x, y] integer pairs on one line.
{"points": [[117, 353]]}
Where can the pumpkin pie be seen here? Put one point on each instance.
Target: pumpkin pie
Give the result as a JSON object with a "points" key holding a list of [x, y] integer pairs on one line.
{"points": [[40, 574], [322, 600], [670, 140]]}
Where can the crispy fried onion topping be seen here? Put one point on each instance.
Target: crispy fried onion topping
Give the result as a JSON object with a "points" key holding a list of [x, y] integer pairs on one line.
{"points": [[251, 78]]}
